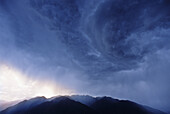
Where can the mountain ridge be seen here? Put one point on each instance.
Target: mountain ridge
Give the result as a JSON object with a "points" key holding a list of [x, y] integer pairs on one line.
{"points": [[78, 104]]}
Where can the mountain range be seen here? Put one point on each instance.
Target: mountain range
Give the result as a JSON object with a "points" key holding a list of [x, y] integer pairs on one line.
{"points": [[78, 104]]}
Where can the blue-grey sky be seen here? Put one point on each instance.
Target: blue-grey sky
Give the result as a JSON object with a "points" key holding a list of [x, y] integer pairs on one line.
{"points": [[99, 47]]}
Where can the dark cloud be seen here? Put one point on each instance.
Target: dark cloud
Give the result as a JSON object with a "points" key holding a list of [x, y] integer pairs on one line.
{"points": [[113, 35], [124, 32], [109, 47]]}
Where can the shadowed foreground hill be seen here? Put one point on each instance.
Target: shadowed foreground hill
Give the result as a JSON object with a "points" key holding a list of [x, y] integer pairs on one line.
{"points": [[78, 105]]}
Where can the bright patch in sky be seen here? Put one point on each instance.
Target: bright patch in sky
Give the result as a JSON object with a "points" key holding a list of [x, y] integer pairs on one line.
{"points": [[16, 86]]}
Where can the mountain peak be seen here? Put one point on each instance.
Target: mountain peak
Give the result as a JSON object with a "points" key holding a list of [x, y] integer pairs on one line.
{"points": [[78, 104]]}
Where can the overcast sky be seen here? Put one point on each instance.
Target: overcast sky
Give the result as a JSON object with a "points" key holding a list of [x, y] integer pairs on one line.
{"points": [[118, 48]]}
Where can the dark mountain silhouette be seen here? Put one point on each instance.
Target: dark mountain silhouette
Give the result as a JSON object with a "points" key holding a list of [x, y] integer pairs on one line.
{"points": [[78, 105], [108, 105]]}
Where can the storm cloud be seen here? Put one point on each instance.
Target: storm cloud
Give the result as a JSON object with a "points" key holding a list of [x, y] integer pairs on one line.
{"points": [[100, 47]]}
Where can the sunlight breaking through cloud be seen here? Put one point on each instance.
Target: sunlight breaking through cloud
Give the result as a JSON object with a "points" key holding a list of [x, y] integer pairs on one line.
{"points": [[16, 86]]}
